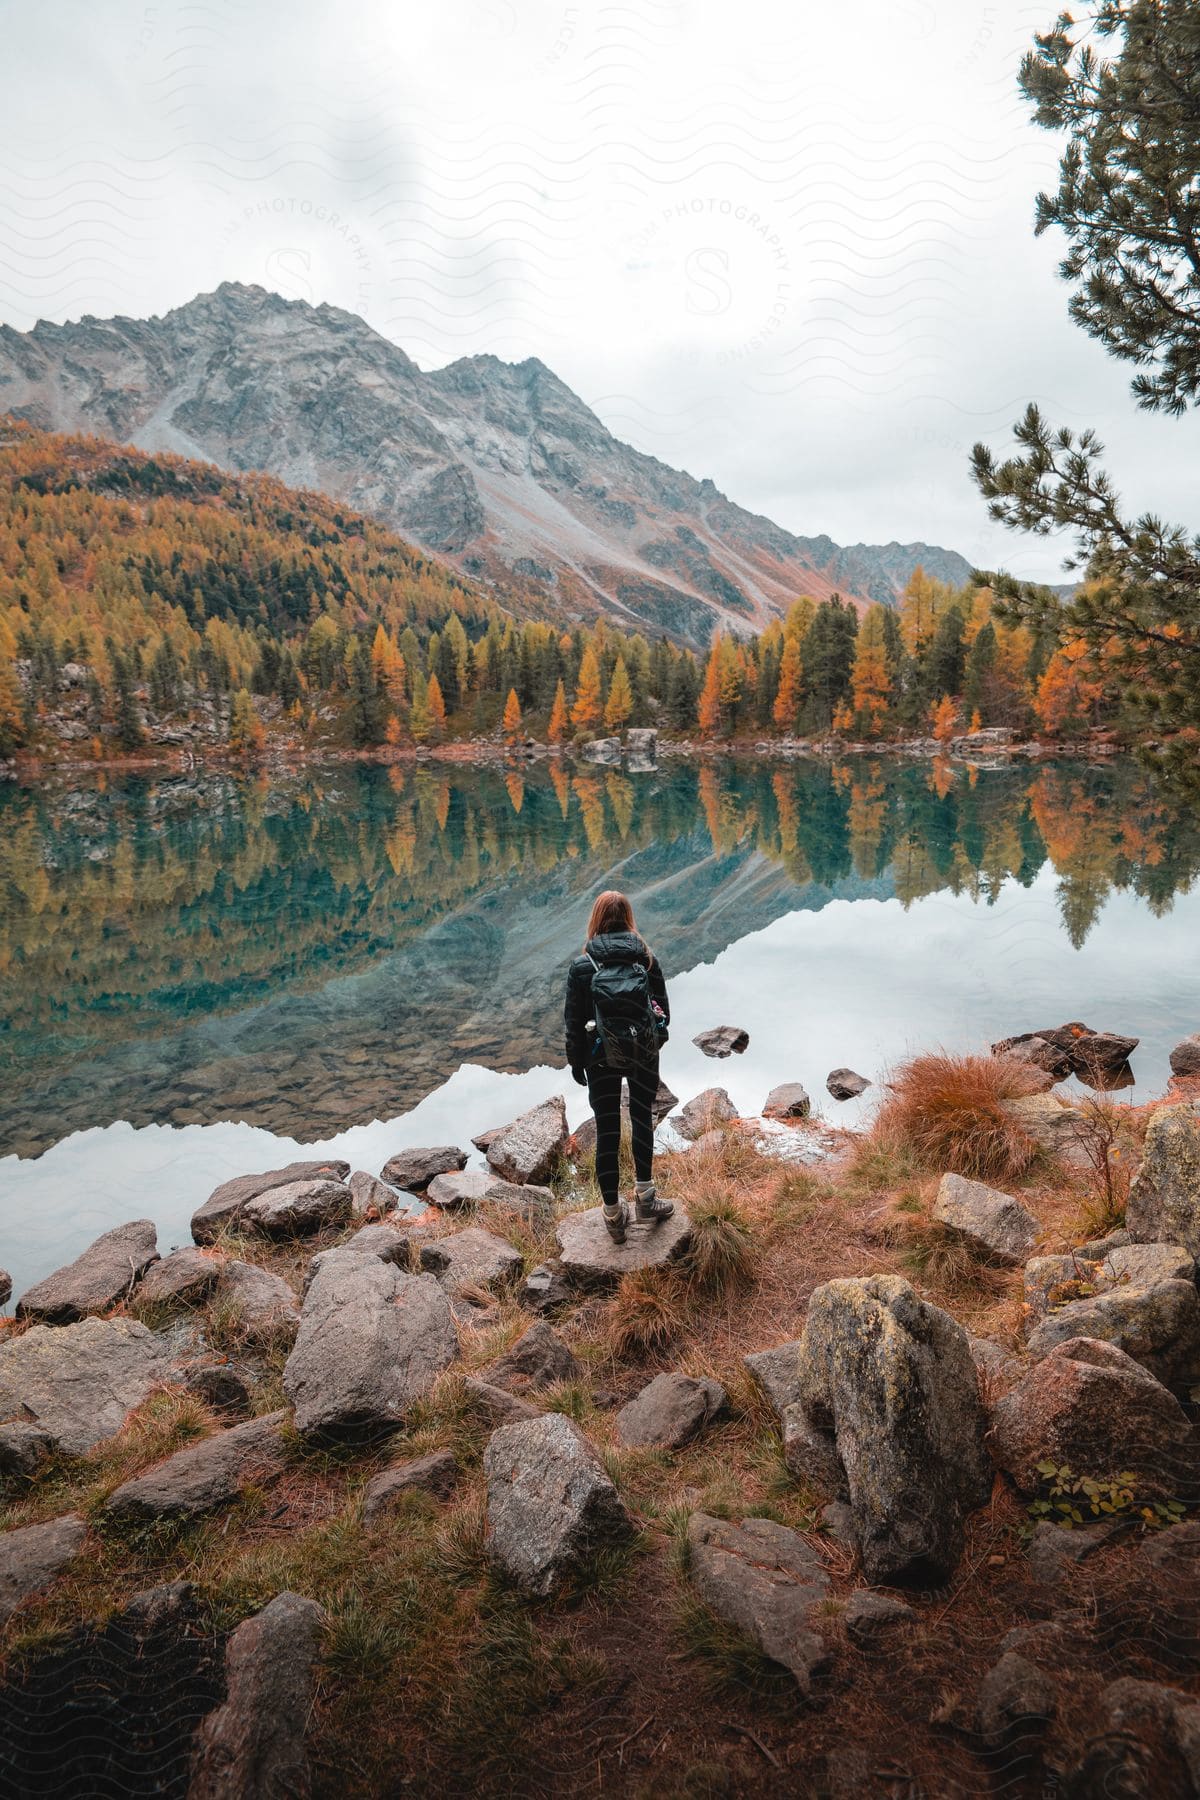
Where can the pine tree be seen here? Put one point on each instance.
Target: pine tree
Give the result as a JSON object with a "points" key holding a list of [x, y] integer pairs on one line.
{"points": [[512, 717], [366, 699], [708, 712], [420, 723], [12, 721], [620, 698], [585, 714], [980, 671], [127, 717], [556, 731]]}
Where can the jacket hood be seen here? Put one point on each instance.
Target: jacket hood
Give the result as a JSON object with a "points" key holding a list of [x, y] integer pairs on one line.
{"points": [[617, 946]]}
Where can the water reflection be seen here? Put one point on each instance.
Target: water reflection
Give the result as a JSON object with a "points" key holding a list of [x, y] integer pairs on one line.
{"points": [[324, 950]]}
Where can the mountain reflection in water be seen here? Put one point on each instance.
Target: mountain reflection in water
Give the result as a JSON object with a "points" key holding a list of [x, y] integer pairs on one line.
{"points": [[316, 951]]}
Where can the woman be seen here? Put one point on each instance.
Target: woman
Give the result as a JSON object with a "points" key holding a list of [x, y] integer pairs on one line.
{"points": [[614, 947]]}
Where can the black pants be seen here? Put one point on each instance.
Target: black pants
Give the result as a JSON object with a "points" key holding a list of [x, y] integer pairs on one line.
{"points": [[604, 1092]]}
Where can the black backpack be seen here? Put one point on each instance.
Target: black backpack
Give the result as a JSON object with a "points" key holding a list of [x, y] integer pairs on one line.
{"points": [[626, 1020]]}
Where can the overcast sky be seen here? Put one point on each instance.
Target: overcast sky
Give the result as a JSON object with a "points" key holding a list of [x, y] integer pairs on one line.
{"points": [[783, 243]]}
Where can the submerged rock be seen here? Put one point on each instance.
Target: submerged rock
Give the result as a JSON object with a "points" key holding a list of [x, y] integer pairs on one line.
{"points": [[891, 1379], [252, 1747], [550, 1503], [993, 1224], [78, 1383], [104, 1273], [223, 1207], [1164, 1197], [766, 1581]]}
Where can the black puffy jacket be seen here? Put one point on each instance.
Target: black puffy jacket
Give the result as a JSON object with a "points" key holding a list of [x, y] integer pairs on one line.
{"points": [[579, 1012]]}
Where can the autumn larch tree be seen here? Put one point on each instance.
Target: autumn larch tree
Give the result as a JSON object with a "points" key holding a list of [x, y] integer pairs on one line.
{"points": [[512, 717], [247, 735], [585, 714], [556, 731], [620, 698], [790, 691], [870, 682]]}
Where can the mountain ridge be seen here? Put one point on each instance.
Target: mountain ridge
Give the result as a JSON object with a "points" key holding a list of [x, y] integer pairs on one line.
{"points": [[499, 468]]}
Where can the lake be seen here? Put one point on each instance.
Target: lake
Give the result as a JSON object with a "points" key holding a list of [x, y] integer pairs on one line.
{"points": [[202, 973]]}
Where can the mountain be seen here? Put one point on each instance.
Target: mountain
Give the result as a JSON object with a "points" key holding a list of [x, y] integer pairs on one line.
{"points": [[497, 467]]}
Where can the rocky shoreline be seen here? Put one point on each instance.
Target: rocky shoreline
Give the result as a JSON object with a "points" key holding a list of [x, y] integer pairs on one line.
{"points": [[321, 1314]]}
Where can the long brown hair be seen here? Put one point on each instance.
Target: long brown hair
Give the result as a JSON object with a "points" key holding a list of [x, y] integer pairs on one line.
{"points": [[611, 911]]}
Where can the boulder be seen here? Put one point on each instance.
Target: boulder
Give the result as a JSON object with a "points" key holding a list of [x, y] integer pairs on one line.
{"points": [[435, 1474], [1055, 1550], [185, 1278], [383, 1242], [252, 1747], [845, 1084], [77, 1383], [993, 1225], [259, 1306], [1185, 1057], [641, 745], [473, 1259], [872, 1620], [1053, 1125], [1054, 1281], [531, 1148], [1164, 1197], [1147, 1743], [788, 1101], [710, 1108], [722, 1040], [1156, 1322], [372, 1340], [776, 1373], [106, 1272], [1036, 1053], [546, 1289], [890, 1377], [550, 1503], [670, 1411], [370, 1195], [603, 750], [413, 1170], [5, 1287], [204, 1476], [1097, 1057], [460, 1187], [768, 1583], [1016, 1703], [468, 1187], [24, 1448], [1088, 1405], [810, 1456], [32, 1555], [298, 1207], [223, 1206], [496, 1405], [590, 1259], [537, 1360]]}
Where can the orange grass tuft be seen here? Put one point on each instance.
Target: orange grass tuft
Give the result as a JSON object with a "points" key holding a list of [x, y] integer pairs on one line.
{"points": [[949, 1111]]}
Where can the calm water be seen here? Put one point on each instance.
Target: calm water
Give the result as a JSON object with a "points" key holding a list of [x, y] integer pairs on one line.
{"points": [[202, 973]]}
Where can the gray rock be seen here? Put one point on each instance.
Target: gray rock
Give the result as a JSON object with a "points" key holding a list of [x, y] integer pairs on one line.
{"points": [[1054, 1550], [370, 1195], [641, 744], [890, 1377], [260, 1306], [5, 1287], [709, 1143], [722, 1041], [470, 1187], [223, 1206], [1185, 1057], [590, 1259], [767, 1582], [546, 1288], [1056, 1127], [496, 1405], [297, 1207], [872, 1620], [460, 1187], [550, 1503], [531, 1148], [670, 1411], [372, 1340], [252, 1747], [1157, 1322], [1036, 1053], [413, 1170], [435, 1474], [384, 1242], [810, 1455], [77, 1383], [710, 1108], [787, 1101], [106, 1272], [1164, 1197], [1088, 1405], [777, 1373], [203, 1476], [1052, 1282], [1016, 1703], [846, 1084], [537, 1360], [473, 1259], [992, 1224], [32, 1555], [221, 1385], [603, 750], [1148, 1744], [186, 1278], [1100, 1247], [23, 1450], [989, 1359]]}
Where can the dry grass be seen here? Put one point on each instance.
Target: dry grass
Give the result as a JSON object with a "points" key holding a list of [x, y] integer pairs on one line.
{"points": [[645, 1315], [948, 1113]]}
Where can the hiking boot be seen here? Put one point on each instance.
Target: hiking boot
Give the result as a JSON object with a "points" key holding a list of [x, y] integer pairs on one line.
{"points": [[649, 1208], [616, 1218]]}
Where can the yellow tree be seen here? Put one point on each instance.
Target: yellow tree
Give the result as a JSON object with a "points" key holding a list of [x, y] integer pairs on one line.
{"points": [[870, 683], [708, 712], [620, 698], [944, 719], [585, 714], [791, 686], [512, 718], [922, 604], [419, 721], [437, 709], [557, 729], [246, 732]]}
